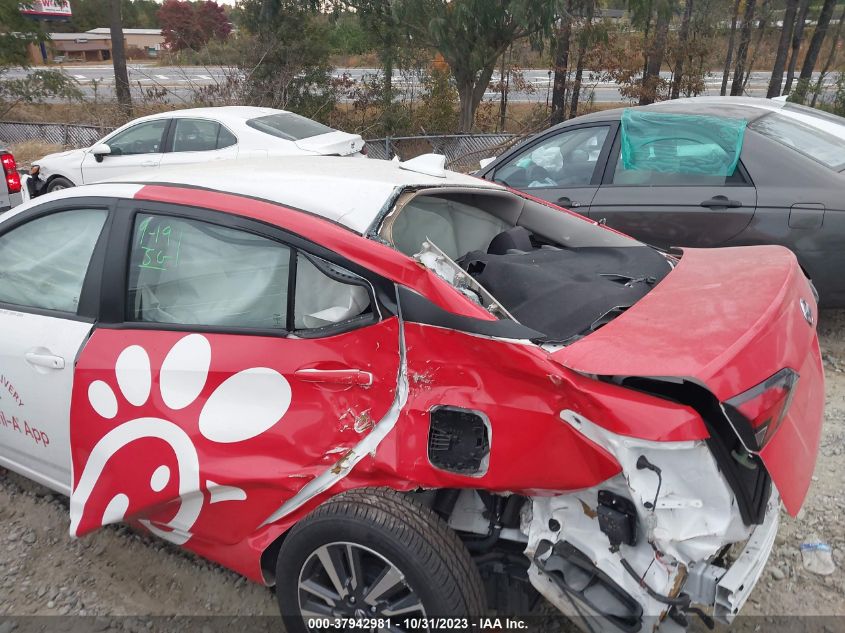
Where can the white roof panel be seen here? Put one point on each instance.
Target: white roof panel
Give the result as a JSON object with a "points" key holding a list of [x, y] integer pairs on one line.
{"points": [[348, 190]]}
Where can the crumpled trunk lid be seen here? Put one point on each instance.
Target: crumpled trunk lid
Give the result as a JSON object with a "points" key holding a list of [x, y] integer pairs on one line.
{"points": [[727, 319], [332, 144]]}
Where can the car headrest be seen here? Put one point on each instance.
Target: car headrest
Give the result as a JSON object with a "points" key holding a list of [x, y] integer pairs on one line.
{"points": [[516, 238]]}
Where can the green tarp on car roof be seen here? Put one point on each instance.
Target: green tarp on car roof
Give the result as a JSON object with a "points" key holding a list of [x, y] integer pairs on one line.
{"points": [[680, 143]]}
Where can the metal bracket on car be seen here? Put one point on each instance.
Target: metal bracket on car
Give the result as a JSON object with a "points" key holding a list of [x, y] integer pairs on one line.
{"points": [[738, 582]]}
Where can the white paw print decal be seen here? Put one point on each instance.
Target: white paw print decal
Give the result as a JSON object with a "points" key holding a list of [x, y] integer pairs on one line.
{"points": [[242, 407]]}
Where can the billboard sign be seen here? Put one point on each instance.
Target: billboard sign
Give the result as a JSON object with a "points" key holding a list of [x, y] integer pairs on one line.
{"points": [[47, 9]]}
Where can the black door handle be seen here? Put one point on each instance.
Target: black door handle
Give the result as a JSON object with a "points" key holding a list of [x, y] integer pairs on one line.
{"points": [[565, 201], [721, 201]]}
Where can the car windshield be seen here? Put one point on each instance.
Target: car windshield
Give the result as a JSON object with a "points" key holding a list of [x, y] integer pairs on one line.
{"points": [[462, 222], [819, 138], [288, 126]]}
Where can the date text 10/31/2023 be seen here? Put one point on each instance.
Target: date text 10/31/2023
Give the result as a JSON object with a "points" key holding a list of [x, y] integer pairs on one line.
{"points": [[418, 624]]}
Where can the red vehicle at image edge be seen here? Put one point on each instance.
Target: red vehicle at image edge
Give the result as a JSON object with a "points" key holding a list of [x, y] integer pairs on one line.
{"points": [[390, 390]]}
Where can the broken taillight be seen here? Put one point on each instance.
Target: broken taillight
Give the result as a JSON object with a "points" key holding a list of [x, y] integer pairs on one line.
{"points": [[767, 404], [10, 173]]}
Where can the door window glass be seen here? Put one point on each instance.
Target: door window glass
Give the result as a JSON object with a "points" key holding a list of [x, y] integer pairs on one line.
{"points": [[43, 262], [225, 138], [674, 155], [144, 138], [195, 135], [565, 160], [195, 273], [326, 294]]}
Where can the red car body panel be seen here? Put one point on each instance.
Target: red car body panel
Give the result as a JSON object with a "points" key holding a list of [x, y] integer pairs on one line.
{"points": [[320, 424], [508, 381], [242, 477], [531, 449], [727, 318]]}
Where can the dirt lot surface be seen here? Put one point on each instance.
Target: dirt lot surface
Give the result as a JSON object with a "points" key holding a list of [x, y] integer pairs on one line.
{"points": [[116, 572]]}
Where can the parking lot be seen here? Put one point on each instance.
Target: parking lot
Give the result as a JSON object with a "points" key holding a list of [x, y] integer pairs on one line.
{"points": [[116, 573]]}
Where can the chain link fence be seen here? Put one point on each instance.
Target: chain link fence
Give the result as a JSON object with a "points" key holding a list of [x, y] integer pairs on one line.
{"points": [[462, 151], [69, 135]]}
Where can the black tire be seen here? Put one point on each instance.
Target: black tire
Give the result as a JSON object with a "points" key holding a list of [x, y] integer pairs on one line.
{"points": [[59, 183], [384, 526]]}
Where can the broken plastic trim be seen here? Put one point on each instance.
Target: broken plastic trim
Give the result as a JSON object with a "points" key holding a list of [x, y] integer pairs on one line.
{"points": [[433, 258], [576, 576], [729, 436], [417, 309]]}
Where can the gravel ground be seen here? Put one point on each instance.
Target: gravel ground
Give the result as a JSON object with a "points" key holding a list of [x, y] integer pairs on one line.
{"points": [[116, 572]]}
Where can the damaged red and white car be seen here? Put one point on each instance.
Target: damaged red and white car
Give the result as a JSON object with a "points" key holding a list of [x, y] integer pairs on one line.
{"points": [[403, 394]]}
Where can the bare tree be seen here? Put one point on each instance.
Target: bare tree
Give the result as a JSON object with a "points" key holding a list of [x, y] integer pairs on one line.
{"points": [[683, 38], [651, 77], [797, 40], [583, 40], [834, 45], [814, 48], [776, 80], [563, 36], [729, 55], [742, 49], [118, 55], [762, 24]]}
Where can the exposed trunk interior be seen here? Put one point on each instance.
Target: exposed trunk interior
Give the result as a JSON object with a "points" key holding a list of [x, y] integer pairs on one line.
{"points": [[550, 270]]}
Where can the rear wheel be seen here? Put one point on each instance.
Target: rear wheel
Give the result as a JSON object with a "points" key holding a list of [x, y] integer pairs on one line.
{"points": [[59, 183], [375, 556]]}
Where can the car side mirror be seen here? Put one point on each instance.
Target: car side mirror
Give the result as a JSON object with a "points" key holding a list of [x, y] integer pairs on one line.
{"points": [[486, 161], [100, 151]]}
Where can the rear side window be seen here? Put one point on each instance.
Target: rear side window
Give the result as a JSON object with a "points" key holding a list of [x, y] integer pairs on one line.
{"points": [[194, 273], [327, 294], [188, 272], [43, 263], [288, 126], [225, 138], [825, 146], [198, 135]]}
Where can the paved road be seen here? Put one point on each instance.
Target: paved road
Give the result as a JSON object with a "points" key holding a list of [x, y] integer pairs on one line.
{"points": [[181, 81]]}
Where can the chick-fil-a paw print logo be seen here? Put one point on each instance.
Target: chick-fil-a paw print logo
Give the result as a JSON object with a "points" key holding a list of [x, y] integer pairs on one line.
{"points": [[145, 463]]}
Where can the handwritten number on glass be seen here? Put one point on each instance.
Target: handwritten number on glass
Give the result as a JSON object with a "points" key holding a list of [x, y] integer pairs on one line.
{"points": [[160, 243]]}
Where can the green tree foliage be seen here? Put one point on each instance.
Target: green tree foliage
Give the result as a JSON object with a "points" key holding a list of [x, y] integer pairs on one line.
{"points": [[347, 36], [16, 32], [38, 87], [288, 65], [472, 35], [438, 113], [192, 24]]}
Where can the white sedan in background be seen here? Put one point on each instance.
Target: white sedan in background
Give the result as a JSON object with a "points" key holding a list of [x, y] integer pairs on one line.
{"points": [[195, 135]]}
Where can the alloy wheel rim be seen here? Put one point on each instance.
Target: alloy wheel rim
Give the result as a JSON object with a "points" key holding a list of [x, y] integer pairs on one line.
{"points": [[347, 580]]}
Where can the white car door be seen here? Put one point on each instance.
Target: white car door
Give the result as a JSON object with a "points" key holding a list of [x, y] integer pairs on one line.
{"points": [[199, 141], [135, 149], [45, 319]]}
